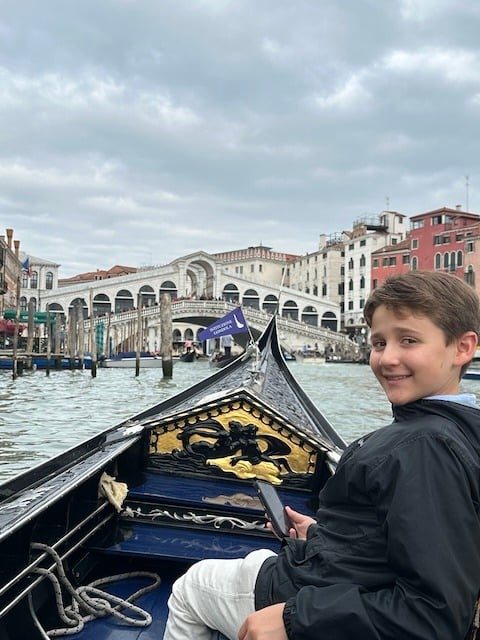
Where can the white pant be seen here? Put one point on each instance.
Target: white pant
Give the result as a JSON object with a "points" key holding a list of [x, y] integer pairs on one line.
{"points": [[214, 595]]}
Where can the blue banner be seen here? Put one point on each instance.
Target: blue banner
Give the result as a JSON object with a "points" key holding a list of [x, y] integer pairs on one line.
{"points": [[233, 322]]}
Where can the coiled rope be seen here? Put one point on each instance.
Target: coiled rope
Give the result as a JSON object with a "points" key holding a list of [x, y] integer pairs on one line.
{"points": [[89, 602]]}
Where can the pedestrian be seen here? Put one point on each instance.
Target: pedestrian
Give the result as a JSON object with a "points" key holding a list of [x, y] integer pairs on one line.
{"points": [[394, 550]]}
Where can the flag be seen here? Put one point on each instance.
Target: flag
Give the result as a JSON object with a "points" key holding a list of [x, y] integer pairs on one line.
{"points": [[233, 322], [27, 268]]}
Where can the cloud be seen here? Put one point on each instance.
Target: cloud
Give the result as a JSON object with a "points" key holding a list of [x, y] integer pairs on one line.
{"points": [[137, 132]]}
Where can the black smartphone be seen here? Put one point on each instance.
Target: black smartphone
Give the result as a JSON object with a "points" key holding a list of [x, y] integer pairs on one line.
{"points": [[274, 508]]}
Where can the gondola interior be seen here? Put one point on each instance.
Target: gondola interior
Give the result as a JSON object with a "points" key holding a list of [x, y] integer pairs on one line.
{"points": [[128, 511]]}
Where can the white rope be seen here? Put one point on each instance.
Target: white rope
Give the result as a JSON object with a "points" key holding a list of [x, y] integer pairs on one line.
{"points": [[89, 602], [476, 620]]}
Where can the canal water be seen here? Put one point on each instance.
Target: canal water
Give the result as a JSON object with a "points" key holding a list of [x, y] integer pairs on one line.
{"points": [[42, 415]]}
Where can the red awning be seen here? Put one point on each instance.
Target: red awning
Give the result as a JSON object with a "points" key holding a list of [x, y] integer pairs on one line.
{"points": [[8, 327]]}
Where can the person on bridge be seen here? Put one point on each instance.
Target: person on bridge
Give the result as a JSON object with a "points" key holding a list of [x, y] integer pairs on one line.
{"points": [[393, 551]]}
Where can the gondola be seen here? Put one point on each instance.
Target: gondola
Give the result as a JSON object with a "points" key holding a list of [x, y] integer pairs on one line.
{"points": [[188, 356], [92, 539]]}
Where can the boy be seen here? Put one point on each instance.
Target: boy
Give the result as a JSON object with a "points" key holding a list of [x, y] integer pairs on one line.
{"points": [[394, 551]]}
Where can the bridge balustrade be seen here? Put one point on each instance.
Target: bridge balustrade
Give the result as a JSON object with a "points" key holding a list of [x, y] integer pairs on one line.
{"points": [[212, 309]]}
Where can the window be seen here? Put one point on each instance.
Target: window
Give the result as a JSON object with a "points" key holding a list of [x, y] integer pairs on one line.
{"points": [[375, 263], [406, 259], [350, 305], [252, 268], [34, 280], [437, 239], [362, 260], [417, 224], [414, 263], [260, 268], [438, 261], [362, 283], [459, 258], [374, 284], [446, 239], [49, 280], [394, 241], [446, 258], [324, 290], [385, 262], [436, 219], [470, 276], [350, 285], [470, 247], [415, 243], [350, 263], [453, 261], [363, 242]]}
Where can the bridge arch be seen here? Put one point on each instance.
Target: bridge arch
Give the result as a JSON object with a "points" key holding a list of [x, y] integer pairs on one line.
{"points": [[329, 321], [310, 316], [147, 295], [251, 299], [79, 303], [170, 288], [231, 293], [290, 310], [101, 304], [270, 303], [201, 272], [124, 301]]}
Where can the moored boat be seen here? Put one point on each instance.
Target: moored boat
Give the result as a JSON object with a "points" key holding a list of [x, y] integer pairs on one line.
{"points": [[128, 360], [130, 509], [58, 362], [472, 373]]}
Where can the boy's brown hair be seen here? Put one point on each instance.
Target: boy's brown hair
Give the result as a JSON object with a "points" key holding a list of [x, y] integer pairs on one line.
{"points": [[449, 302]]}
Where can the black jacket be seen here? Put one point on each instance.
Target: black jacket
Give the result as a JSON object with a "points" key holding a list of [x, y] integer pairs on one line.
{"points": [[396, 551]]}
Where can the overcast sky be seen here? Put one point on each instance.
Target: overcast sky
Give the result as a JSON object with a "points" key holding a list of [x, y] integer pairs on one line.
{"points": [[137, 131]]}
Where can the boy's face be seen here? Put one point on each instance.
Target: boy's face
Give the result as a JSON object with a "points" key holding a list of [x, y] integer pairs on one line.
{"points": [[411, 359]]}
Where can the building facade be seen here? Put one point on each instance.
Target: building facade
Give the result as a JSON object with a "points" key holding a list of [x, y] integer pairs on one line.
{"points": [[39, 280], [10, 271], [367, 235]]}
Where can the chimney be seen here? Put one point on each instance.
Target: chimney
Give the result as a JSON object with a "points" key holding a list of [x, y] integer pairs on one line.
{"points": [[9, 238], [17, 247], [458, 207]]}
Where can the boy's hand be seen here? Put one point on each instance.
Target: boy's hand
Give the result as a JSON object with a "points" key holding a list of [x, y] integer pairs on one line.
{"points": [[300, 522], [265, 624]]}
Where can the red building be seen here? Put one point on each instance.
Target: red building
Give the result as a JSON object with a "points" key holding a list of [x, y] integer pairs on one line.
{"points": [[390, 260], [443, 239], [438, 239]]}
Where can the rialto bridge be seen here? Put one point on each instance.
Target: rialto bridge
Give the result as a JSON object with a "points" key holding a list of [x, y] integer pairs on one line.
{"points": [[201, 290]]}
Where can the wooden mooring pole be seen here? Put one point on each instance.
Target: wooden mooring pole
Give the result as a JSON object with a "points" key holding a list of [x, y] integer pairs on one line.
{"points": [[166, 335], [138, 335], [93, 341]]}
